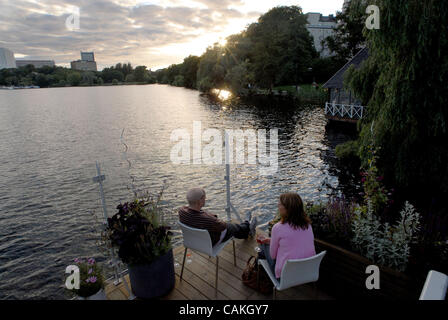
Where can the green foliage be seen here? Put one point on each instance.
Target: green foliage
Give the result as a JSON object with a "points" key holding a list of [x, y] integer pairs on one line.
{"points": [[382, 243], [348, 153], [348, 37], [404, 84], [179, 81], [140, 74], [276, 50], [137, 231], [74, 78]]}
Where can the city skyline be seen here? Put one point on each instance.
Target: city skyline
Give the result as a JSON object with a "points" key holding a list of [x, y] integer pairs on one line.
{"points": [[154, 33]]}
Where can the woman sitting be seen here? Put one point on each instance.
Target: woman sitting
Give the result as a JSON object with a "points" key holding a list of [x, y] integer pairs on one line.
{"points": [[291, 238]]}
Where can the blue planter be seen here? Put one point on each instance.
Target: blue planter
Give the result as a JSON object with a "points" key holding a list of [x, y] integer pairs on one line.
{"points": [[153, 280]]}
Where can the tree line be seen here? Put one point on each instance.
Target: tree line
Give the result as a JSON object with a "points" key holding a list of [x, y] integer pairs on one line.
{"points": [[276, 50], [47, 76]]}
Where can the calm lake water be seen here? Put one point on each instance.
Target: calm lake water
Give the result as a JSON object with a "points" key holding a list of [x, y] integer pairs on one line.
{"points": [[51, 138]]}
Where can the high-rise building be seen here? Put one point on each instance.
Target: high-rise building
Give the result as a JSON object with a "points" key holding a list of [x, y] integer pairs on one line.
{"points": [[87, 62], [87, 56], [321, 27], [7, 59]]}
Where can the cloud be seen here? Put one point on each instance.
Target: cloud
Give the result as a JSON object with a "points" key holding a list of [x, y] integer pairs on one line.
{"points": [[116, 31], [140, 31]]}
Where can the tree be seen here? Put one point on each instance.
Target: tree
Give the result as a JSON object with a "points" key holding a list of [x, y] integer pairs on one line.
{"points": [[140, 74], [74, 78], [211, 72], [348, 38], [189, 71], [282, 47], [407, 97]]}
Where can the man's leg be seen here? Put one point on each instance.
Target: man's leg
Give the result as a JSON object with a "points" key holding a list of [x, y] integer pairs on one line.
{"points": [[239, 231]]}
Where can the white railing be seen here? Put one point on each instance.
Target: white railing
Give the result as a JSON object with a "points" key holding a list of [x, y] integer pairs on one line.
{"points": [[344, 110]]}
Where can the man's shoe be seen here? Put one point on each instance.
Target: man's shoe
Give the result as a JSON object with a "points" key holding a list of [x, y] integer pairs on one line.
{"points": [[252, 226]]}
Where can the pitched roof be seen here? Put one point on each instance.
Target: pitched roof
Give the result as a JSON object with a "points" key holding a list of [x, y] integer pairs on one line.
{"points": [[337, 80]]}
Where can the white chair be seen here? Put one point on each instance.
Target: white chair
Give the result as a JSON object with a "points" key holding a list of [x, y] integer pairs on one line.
{"points": [[295, 272], [199, 240], [435, 287]]}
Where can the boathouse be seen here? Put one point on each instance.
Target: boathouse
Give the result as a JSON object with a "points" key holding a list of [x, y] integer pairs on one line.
{"points": [[342, 105]]}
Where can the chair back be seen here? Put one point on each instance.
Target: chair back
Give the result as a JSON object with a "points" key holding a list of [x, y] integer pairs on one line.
{"points": [[197, 239], [300, 271], [435, 287]]}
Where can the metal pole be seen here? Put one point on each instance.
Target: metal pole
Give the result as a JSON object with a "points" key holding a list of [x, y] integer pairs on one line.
{"points": [[99, 179], [227, 177]]}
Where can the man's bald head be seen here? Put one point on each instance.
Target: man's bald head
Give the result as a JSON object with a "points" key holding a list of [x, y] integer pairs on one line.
{"points": [[195, 196]]}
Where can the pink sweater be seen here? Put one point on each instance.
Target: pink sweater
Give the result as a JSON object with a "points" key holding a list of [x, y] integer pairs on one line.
{"points": [[289, 243]]}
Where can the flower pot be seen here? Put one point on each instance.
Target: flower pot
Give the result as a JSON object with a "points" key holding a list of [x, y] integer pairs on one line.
{"points": [[100, 295], [155, 279]]}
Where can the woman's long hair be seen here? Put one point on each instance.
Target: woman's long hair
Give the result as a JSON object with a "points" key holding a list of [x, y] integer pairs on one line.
{"points": [[296, 215]]}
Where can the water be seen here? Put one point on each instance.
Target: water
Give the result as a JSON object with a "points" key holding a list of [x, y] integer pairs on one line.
{"points": [[51, 138]]}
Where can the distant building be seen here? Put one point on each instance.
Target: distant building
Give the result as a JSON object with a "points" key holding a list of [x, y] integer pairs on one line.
{"points": [[87, 62], [7, 59], [35, 63], [321, 27], [87, 56], [337, 94]]}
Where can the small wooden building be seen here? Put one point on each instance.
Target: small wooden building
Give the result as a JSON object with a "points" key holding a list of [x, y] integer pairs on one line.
{"points": [[342, 104]]}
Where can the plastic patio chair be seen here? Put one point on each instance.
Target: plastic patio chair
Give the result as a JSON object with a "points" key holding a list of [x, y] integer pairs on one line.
{"points": [[435, 287], [295, 272], [199, 240]]}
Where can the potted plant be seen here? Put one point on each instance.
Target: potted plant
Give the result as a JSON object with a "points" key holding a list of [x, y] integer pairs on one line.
{"points": [[144, 244], [91, 284]]}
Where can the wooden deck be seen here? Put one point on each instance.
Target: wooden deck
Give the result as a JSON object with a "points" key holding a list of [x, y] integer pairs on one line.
{"points": [[199, 278]]}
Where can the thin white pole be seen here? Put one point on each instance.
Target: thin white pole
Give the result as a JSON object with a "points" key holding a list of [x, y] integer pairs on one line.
{"points": [[99, 179], [227, 177]]}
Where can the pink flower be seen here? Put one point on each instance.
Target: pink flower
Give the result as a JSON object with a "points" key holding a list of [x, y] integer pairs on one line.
{"points": [[91, 261], [93, 279], [90, 271]]}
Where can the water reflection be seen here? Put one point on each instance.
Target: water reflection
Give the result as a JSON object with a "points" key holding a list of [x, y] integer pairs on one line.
{"points": [[51, 139]]}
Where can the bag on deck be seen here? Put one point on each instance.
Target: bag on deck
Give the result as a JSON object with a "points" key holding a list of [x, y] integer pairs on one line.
{"points": [[249, 277]]}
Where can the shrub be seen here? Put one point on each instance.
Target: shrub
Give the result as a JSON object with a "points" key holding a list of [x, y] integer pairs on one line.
{"points": [[382, 243], [137, 233]]}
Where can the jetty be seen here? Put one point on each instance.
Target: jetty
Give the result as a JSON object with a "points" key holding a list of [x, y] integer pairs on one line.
{"points": [[198, 281]]}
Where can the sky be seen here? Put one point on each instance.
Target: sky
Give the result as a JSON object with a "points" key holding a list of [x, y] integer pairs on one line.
{"points": [[154, 33]]}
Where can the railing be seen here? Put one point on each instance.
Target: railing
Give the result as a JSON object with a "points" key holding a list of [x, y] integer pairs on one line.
{"points": [[344, 111]]}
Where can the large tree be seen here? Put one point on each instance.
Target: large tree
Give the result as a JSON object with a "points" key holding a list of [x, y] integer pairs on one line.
{"points": [[404, 83], [348, 37], [283, 49]]}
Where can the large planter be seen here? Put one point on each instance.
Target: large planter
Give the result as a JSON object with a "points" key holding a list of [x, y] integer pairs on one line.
{"points": [[155, 279], [343, 275]]}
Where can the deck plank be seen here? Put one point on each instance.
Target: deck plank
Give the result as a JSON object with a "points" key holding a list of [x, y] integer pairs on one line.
{"points": [[198, 281]]}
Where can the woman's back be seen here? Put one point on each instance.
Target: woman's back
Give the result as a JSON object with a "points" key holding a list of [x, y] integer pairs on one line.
{"points": [[290, 243]]}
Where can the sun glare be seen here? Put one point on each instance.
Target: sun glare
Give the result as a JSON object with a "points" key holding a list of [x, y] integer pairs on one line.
{"points": [[222, 94]]}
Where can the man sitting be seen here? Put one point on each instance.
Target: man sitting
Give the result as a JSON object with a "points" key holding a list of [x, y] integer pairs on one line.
{"points": [[220, 231]]}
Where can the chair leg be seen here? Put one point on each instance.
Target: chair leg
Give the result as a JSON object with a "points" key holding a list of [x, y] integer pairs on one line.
{"points": [[234, 255], [183, 264], [216, 279], [274, 294]]}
